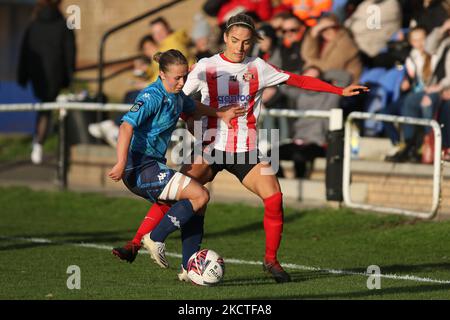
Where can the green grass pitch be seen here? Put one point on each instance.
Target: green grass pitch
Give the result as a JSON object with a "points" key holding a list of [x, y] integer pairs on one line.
{"points": [[326, 251]]}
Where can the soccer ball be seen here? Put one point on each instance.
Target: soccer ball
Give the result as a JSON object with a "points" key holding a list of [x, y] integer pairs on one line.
{"points": [[205, 268]]}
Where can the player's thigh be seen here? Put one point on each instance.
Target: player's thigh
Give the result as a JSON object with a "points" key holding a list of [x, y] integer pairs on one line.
{"points": [[196, 193], [182, 187], [199, 170], [262, 181], [193, 190]]}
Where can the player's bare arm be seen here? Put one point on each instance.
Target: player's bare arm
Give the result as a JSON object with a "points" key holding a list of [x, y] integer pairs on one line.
{"points": [[123, 143]]}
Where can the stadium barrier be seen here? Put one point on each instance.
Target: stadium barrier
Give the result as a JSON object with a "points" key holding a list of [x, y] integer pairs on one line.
{"points": [[437, 169], [336, 124]]}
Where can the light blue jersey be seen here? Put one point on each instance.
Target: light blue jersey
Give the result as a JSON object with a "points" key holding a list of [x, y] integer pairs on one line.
{"points": [[153, 117]]}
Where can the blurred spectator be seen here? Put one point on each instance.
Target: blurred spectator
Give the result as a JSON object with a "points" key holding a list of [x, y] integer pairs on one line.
{"points": [[145, 71], [166, 38], [371, 32], [328, 46], [224, 9], [309, 135], [290, 48], [47, 59], [108, 130], [438, 43], [309, 11], [200, 37], [418, 74], [425, 104], [267, 48], [394, 54], [141, 79], [384, 88], [418, 64], [277, 22], [148, 47], [428, 14]]}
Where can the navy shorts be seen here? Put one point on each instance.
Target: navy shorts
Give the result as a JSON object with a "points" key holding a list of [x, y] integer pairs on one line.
{"points": [[149, 179]]}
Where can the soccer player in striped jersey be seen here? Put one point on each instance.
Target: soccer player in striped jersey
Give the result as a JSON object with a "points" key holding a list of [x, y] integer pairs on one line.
{"points": [[233, 77]]}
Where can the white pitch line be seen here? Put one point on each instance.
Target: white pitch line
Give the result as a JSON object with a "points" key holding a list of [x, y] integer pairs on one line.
{"points": [[246, 262]]}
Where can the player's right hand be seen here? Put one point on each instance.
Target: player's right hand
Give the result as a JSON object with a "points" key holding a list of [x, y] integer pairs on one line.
{"points": [[230, 112], [116, 172]]}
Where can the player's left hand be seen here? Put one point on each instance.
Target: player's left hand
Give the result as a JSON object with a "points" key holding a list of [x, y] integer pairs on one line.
{"points": [[229, 112], [116, 172], [354, 90]]}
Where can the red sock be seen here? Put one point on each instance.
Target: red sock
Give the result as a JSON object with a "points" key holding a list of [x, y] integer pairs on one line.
{"points": [[273, 224], [151, 220]]}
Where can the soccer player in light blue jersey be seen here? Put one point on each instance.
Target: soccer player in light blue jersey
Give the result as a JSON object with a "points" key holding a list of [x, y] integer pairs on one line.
{"points": [[143, 140]]}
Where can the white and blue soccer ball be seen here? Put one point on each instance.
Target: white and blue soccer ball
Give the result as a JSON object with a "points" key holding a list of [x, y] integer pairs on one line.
{"points": [[205, 268]]}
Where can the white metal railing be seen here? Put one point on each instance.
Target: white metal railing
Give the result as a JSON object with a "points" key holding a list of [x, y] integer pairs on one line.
{"points": [[436, 172], [334, 115], [63, 107]]}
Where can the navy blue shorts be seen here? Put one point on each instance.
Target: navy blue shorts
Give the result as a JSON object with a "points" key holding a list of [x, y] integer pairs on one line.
{"points": [[149, 179]]}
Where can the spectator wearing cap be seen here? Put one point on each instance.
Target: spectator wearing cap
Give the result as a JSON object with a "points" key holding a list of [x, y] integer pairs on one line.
{"points": [[330, 47]]}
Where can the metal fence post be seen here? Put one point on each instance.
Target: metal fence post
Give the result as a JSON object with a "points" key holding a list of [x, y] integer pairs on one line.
{"points": [[62, 149], [335, 156]]}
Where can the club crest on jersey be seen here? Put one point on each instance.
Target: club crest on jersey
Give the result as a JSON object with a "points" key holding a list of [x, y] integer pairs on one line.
{"points": [[136, 106], [248, 76]]}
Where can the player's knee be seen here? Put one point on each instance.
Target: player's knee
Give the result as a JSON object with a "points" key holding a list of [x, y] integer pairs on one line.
{"points": [[201, 199], [204, 197]]}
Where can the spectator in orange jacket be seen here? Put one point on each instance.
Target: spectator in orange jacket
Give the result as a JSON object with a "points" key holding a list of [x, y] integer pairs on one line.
{"points": [[309, 10]]}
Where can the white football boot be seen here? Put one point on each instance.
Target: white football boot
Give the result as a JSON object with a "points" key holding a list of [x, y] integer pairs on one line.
{"points": [[157, 251]]}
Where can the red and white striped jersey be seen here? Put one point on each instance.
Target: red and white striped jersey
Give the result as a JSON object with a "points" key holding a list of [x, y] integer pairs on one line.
{"points": [[221, 83]]}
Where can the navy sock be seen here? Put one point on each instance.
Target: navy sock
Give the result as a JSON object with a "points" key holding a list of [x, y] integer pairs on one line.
{"points": [[191, 236], [178, 215]]}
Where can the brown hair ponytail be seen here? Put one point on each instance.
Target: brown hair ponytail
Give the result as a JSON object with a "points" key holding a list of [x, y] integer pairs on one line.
{"points": [[169, 57]]}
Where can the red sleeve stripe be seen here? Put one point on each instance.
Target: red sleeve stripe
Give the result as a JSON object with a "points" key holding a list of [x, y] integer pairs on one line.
{"points": [[310, 83]]}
